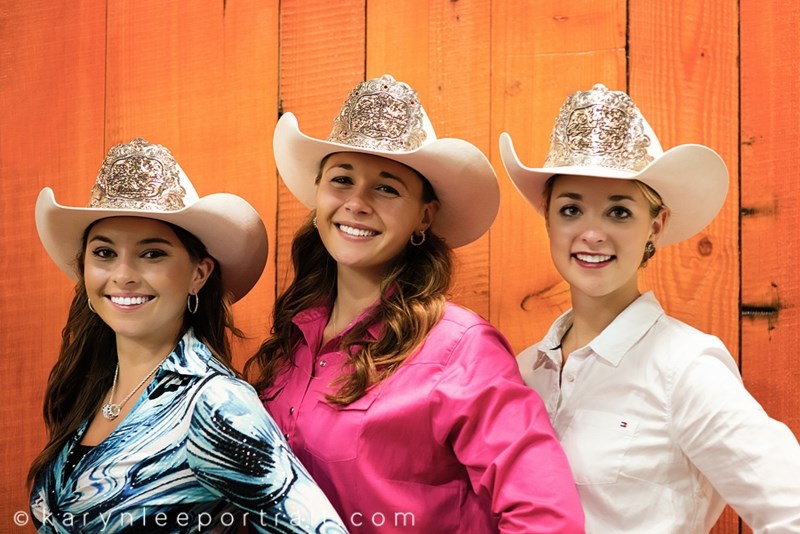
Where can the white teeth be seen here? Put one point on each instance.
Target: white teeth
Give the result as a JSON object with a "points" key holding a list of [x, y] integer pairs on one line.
{"points": [[129, 301], [591, 258], [357, 232]]}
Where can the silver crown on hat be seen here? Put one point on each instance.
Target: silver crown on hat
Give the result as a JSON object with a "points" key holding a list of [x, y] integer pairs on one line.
{"points": [[380, 114], [600, 128], [139, 176]]}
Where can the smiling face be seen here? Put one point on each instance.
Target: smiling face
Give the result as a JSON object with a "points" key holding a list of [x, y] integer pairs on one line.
{"points": [[598, 230], [138, 275], [367, 208]]}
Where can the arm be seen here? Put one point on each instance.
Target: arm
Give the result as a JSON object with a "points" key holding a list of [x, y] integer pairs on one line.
{"points": [[753, 461], [236, 450], [500, 431]]}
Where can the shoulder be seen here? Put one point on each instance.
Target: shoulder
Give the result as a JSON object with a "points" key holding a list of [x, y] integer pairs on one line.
{"points": [[228, 409], [459, 319], [675, 334], [225, 392], [462, 333], [679, 346]]}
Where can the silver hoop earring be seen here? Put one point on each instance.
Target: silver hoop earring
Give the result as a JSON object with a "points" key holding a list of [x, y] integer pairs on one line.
{"points": [[421, 239], [89, 302], [314, 221], [192, 309]]}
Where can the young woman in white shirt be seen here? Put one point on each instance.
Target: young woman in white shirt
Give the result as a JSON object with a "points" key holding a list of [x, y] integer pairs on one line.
{"points": [[657, 426]]}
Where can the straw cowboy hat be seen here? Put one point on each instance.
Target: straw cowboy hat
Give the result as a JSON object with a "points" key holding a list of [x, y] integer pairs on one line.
{"points": [[602, 133], [139, 179], [384, 117]]}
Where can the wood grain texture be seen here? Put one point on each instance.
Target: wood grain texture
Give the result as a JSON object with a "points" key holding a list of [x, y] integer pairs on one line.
{"points": [[51, 104], [208, 80], [770, 247], [322, 55], [579, 44], [441, 48], [202, 81], [684, 78], [44, 137]]}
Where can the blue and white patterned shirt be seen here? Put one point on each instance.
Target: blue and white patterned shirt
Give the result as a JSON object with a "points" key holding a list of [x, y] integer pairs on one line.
{"points": [[196, 453]]}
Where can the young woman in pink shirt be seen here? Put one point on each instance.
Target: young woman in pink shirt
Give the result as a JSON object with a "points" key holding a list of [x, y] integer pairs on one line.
{"points": [[409, 411]]}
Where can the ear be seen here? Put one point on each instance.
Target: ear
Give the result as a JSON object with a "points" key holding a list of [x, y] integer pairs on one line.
{"points": [[429, 214], [658, 224], [202, 271]]}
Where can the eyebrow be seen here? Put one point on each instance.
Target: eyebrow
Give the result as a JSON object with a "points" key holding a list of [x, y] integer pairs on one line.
{"points": [[612, 198], [382, 174], [145, 241]]}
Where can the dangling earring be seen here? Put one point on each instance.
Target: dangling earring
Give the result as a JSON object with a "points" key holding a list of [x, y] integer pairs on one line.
{"points": [[649, 251], [314, 221], [192, 309], [421, 239], [89, 302]]}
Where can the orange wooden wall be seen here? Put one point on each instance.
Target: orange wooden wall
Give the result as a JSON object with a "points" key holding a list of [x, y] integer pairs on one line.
{"points": [[209, 81]]}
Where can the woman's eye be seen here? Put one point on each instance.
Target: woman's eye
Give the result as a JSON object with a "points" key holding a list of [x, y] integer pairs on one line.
{"points": [[388, 189], [569, 210], [103, 253], [153, 254], [620, 213], [341, 180]]}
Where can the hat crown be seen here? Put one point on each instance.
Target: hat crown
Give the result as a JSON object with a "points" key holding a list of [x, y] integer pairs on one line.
{"points": [[382, 114], [141, 176], [602, 128]]}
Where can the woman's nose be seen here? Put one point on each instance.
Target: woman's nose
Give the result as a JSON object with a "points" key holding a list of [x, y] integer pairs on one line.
{"points": [[358, 201], [124, 273]]}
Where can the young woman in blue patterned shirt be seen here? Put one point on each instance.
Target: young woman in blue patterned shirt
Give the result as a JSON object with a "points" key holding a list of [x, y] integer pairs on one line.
{"points": [[149, 428]]}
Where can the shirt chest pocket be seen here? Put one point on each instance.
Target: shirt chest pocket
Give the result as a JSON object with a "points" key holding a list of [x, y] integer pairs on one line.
{"points": [[334, 432], [596, 444]]}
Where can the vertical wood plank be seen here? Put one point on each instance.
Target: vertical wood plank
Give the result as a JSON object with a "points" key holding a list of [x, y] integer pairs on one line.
{"points": [[770, 33], [541, 52], [51, 104], [770, 182], [202, 80], [441, 48], [684, 78], [321, 60]]}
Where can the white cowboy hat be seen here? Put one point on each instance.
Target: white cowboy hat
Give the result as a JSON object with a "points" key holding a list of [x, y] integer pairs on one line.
{"points": [[602, 133], [384, 117], [138, 179]]}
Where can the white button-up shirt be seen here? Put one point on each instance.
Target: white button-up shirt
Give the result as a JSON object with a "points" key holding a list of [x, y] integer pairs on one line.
{"points": [[659, 430]]}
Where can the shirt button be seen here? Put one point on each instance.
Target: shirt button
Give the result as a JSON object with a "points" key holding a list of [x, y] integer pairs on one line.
{"points": [[286, 435], [323, 363], [291, 410], [570, 378]]}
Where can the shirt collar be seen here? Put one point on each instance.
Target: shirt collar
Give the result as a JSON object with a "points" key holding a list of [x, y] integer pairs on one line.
{"points": [[312, 321], [616, 339], [190, 357]]}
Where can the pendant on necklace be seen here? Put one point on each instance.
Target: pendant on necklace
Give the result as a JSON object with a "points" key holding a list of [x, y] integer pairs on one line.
{"points": [[111, 411]]}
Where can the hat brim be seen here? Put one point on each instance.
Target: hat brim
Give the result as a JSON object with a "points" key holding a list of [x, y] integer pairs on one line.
{"points": [[691, 179], [461, 175], [228, 226]]}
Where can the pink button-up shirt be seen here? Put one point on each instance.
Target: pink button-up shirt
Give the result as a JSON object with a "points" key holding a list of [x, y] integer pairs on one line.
{"points": [[453, 441]]}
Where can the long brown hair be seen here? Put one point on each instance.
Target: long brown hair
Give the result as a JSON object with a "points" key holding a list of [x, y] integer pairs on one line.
{"points": [[413, 297], [87, 359]]}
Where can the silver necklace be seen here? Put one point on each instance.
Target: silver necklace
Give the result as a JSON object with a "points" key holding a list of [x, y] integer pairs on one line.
{"points": [[111, 410]]}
